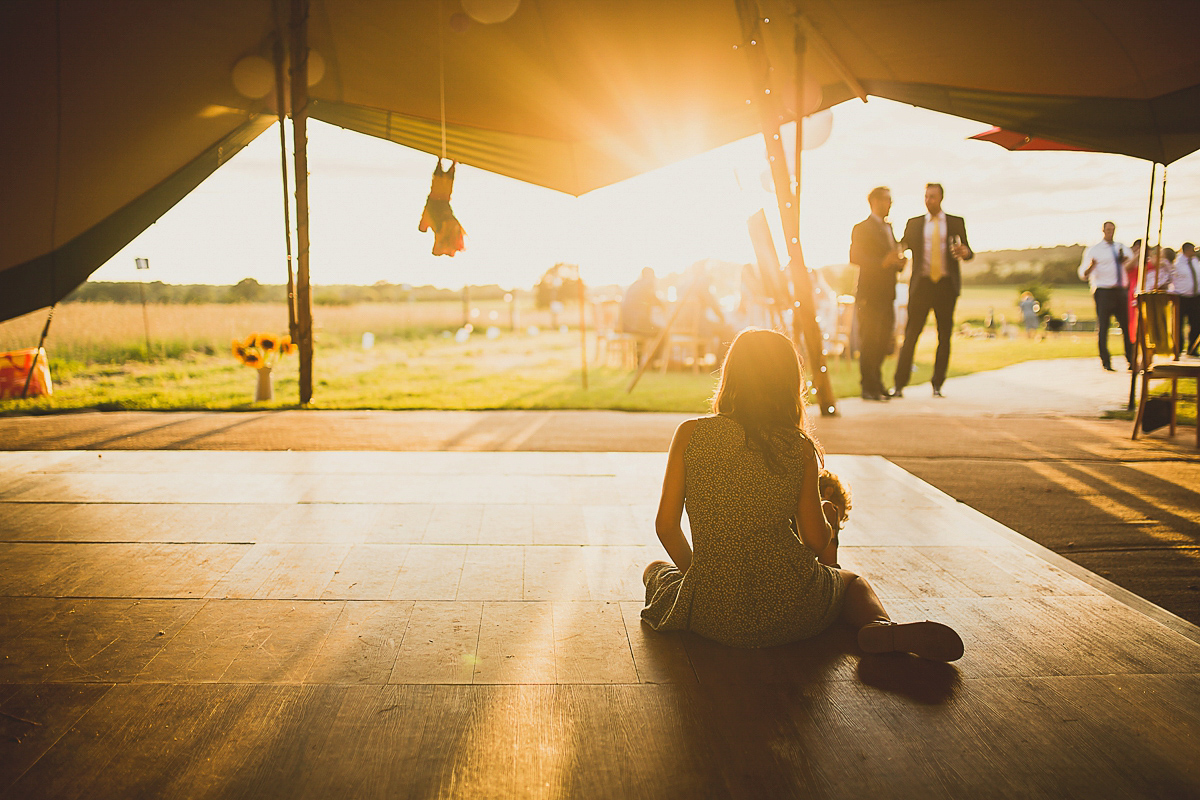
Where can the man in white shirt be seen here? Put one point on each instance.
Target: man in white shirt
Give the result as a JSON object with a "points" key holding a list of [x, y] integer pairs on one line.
{"points": [[1103, 268], [938, 242], [1184, 278]]}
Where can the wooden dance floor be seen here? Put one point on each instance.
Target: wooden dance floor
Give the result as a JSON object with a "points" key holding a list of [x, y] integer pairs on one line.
{"points": [[373, 624]]}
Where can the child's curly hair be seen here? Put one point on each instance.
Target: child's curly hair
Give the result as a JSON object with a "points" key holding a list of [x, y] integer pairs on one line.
{"points": [[835, 491]]}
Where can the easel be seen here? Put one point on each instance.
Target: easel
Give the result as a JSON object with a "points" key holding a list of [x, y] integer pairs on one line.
{"points": [[769, 272]]}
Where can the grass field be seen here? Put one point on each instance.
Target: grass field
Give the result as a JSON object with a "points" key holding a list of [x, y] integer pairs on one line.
{"points": [[977, 300], [99, 359]]}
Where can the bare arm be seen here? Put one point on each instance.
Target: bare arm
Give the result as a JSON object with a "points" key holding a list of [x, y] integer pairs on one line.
{"points": [[668, 523], [814, 527]]}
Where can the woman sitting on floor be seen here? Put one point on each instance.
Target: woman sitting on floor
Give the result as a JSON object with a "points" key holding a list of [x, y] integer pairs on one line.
{"points": [[749, 477]]}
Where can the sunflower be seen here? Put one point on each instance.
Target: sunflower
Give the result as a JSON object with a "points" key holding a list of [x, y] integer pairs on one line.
{"points": [[252, 360], [286, 346], [267, 342], [239, 351]]}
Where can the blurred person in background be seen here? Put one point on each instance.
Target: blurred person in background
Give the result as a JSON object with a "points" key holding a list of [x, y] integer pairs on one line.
{"points": [[876, 253], [1104, 268], [1184, 281], [938, 242]]}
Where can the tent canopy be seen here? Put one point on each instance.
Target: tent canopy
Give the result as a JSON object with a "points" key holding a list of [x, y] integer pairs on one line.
{"points": [[116, 109]]}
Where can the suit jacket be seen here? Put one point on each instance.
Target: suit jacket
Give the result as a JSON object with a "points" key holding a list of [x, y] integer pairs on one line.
{"points": [[914, 239], [870, 242]]}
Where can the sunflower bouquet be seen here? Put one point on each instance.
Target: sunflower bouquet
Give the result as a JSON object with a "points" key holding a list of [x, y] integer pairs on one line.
{"points": [[262, 351]]}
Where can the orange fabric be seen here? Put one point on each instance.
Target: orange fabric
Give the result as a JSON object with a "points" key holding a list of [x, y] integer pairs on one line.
{"points": [[448, 233], [14, 367]]}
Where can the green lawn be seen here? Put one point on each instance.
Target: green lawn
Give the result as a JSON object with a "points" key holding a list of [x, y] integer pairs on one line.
{"points": [[515, 371]]}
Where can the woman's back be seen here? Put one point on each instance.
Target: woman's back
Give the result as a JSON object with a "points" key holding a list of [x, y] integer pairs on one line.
{"points": [[752, 581]]}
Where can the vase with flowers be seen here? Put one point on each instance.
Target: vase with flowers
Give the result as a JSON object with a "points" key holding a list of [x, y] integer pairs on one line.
{"points": [[262, 351]]}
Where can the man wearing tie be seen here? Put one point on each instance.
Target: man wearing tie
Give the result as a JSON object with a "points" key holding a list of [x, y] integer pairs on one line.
{"points": [[1103, 267], [1184, 278], [938, 242], [874, 249]]}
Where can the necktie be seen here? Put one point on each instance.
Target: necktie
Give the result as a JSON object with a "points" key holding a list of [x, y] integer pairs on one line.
{"points": [[936, 256], [1120, 265]]}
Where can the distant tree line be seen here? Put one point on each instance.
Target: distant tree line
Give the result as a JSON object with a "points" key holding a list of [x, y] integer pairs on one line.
{"points": [[1053, 273], [249, 290]]}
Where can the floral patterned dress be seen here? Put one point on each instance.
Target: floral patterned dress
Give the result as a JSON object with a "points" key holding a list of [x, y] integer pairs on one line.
{"points": [[753, 582]]}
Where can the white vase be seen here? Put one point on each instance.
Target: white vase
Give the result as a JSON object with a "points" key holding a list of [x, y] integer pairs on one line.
{"points": [[265, 391]]}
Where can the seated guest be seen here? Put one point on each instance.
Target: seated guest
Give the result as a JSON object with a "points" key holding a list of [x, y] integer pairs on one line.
{"points": [[638, 305]]}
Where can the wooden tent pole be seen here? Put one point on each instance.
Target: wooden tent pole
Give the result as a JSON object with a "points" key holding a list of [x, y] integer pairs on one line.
{"points": [[1162, 211], [280, 53], [1135, 368], [804, 318], [299, 86], [583, 331], [804, 313]]}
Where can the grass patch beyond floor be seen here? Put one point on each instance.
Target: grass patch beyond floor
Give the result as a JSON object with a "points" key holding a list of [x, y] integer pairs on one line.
{"points": [[513, 371]]}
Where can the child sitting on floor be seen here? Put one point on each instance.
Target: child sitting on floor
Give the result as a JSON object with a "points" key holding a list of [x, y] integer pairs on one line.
{"points": [[748, 475], [835, 504]]}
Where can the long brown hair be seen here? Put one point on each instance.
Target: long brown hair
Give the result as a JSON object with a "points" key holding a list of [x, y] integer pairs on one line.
{"points": [[760, 388]]}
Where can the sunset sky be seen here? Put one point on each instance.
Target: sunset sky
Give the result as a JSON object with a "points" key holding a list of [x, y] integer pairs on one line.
{"points": [[367, 195]]}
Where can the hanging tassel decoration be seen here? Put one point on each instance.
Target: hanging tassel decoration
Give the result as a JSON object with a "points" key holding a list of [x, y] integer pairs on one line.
{"points": [[447, 232]]}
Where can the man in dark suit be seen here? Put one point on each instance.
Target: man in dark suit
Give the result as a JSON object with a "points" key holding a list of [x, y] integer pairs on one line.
{"points": [[874, 249], [938, 242]]}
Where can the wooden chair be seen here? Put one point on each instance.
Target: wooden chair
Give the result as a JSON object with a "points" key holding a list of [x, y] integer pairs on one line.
{"points": [[610, 340], [1159, 354], [684, 338]]}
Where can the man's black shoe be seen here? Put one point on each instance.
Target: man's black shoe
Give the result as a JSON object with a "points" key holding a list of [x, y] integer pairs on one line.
{"points": [[1109, 367], [874, 396], [898, 393], [937, 392]]}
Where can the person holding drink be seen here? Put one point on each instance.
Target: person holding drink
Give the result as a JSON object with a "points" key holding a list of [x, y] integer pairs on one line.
{"points": [[938, 242], [873, 248]]}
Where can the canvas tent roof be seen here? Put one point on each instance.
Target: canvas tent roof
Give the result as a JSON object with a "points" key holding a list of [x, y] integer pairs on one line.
{"points": [[117, 108]]}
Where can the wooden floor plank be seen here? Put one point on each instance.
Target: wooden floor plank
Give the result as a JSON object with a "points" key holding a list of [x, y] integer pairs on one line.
{"points": [[303, 571], [368, 572], [340, 523], [658, 657], [378, 735], [400, 524], [430, 572], [516, 644], [363, 645], [902, 572], [591, 645], [440, 644], [89, 640], [614, 573], [559, 524], [507, 524], [556, 573], [493, 572], [454, 523], [245, 641], [33, 718]]}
